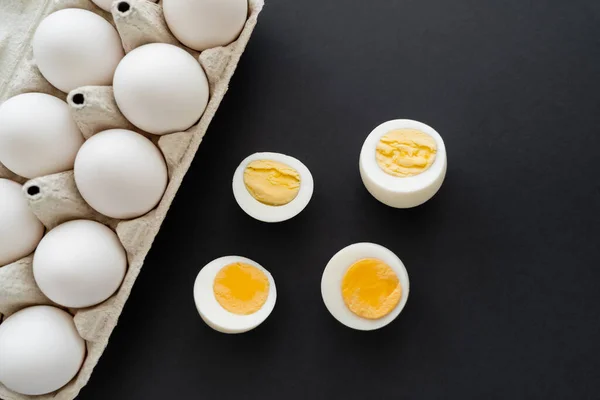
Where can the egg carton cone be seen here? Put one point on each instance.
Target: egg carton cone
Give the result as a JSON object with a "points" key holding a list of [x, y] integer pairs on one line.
{"points": [[8, 174], [54, 199], [94, 109], [17, 287], [141, 22]]}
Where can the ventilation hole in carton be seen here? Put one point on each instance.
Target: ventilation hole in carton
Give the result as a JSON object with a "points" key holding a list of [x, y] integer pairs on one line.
{"points": [[78, 99], [33, 190], [123, 6]]}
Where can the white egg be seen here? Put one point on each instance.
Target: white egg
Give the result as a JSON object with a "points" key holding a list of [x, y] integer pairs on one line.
{"points": [[37, 135], [20, 230], [336, 270], [425, 177], [203, 24], [120, 173], [161, 88], [74, 47], [104, 4], [40, 350], [211, 310], [272, 211], [79, 264]]}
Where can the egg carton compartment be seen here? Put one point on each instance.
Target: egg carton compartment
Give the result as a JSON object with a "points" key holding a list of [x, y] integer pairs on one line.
{"points": [[54, 199]]}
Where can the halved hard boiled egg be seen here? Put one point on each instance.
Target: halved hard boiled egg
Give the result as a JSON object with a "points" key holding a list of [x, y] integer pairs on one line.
{"points": [[365, 286], [234, 294], [403, 163], [272, 187]]}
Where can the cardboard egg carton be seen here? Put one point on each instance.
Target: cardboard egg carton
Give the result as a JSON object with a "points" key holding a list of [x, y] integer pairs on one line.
{"points": [[54, 198]]}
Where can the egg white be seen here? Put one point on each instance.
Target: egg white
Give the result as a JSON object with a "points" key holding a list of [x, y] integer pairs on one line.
{"points": [[20, 230], [401, 192], [79, 263], [160, 88], [331, 284], [73, 47], [204, 24], [265, 212], [40, 350], [38, 136], [120, 173], [214, 314]]}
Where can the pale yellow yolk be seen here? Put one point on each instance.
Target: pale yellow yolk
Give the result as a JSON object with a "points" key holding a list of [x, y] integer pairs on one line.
{"points": [[241, 288], [405, 152], [271, 182], [371, 288]]}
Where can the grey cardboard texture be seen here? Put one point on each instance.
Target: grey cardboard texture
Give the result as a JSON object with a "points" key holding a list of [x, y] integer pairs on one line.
{"points": [[58, 200]]}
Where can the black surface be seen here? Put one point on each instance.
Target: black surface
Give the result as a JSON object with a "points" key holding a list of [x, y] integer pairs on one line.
{"points": [[504, 262]]}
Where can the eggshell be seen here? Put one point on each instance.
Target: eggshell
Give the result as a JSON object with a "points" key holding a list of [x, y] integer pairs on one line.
{"points": [[74, 47], [104, 4], [265, 212], [37, 135], [401, 192], [214, 314], [161, 88], [20, 230], [203, 24], [79, 264], [331, 284], [96, 323], [120, 173], [40, 350]]}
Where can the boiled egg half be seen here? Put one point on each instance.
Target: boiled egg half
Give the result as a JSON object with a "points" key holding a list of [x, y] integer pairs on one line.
{"points": [[272, 187], [403, 163], [234, 294], [365, 286]]}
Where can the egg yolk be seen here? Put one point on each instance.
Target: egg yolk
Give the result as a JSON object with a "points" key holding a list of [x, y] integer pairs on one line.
{"points": [[371, 289], [271, 182], [241, 288], [405, 152]]}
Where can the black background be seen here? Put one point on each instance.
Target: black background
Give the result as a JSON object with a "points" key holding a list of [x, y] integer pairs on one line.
{"points": [[504, 261]]}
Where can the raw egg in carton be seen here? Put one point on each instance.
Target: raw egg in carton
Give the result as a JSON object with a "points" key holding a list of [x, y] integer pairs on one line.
{"points": [[54, 198]]}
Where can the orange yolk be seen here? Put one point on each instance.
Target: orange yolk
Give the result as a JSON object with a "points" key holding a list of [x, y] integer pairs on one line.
{"points": [[241, 288], [371, 289]]}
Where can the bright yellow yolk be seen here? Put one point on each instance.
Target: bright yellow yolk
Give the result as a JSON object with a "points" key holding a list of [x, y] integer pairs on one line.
{"points": [[271, 182], [371, 288], [405, 152], [241, 288]]}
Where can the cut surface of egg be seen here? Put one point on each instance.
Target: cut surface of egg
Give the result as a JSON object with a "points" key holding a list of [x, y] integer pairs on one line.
{"points": [[40, 350], [37, 135], [403, 163], [365, 286], [120, 173], [272, 187], [161, 88], [20, 230], [203, 24], [75, 47], [234, 294], [79, 264]]}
